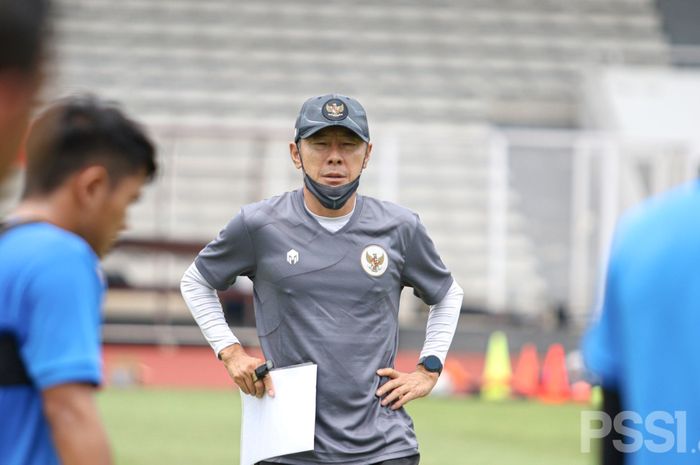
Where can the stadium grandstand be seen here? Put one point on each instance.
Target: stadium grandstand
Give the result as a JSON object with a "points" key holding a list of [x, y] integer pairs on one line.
{"points": [[491, 118]]}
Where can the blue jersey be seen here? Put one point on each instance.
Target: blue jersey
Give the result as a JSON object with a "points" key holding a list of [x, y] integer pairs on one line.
{"points": [[646, 343], [51, 293]]}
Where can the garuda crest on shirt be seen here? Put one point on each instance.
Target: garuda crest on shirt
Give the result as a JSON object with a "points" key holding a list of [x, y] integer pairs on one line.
{"points": [[374, 260]]}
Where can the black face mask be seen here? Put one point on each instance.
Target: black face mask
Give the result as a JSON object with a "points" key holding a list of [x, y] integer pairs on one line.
{"points": [[331, 197]]}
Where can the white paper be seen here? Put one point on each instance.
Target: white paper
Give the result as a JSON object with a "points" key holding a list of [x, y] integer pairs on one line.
{"points": [[284, 424]]}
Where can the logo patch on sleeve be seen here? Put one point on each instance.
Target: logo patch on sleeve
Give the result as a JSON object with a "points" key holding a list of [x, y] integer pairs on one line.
{"points": [[374, 260], [292, 257]]}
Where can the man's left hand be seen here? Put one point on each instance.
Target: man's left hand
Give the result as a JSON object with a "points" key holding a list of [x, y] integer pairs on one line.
{"points": [[405, 387]]}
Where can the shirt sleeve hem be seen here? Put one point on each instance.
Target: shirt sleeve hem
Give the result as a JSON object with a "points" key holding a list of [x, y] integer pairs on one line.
{"points": [[441, 293], [210, 279], [73, 371]]}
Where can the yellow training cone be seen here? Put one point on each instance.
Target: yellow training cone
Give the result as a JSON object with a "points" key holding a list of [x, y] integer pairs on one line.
{"points": [[495, 383], [597, 397]]}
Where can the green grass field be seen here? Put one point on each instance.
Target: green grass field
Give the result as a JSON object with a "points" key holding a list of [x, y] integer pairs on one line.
{"points": [[202, 427]]}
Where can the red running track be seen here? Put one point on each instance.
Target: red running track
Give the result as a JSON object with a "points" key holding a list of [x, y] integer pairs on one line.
{"points": [[198, 367]]}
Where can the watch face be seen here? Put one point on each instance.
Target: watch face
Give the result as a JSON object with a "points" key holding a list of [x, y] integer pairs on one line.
{"points": [[432, 363]]}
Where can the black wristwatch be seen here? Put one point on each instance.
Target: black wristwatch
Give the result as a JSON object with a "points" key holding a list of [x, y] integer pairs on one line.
{"points": [[431, 363]]}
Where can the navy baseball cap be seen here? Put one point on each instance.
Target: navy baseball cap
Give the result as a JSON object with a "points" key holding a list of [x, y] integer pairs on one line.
{"points": [[331, 110]]}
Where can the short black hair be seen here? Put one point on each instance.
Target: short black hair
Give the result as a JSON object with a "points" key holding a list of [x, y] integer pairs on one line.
{"points": [[80, 131], [23, 29]]}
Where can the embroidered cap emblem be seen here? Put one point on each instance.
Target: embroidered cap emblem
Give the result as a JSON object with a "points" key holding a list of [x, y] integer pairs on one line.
{"points": [[292, 257], [374, 260], [334, 110]]}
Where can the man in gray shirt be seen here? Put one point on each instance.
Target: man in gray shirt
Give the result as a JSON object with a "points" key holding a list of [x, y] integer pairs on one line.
{"points": [[328, 266]]}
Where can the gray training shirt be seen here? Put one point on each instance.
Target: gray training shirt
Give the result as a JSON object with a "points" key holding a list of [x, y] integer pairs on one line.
{"points": [[333, 299]]}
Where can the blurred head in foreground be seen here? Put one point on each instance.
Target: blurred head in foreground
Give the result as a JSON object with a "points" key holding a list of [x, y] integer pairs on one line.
{"points": [[86, 163], [22, 39]]}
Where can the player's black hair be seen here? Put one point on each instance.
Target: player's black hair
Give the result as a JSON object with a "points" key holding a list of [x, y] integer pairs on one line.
{"points": [[81, 131], [23, 27]]}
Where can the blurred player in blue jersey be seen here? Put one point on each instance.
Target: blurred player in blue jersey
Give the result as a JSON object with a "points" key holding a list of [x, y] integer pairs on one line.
{"points": [[22, 30], [645, 344], [86, 164]]}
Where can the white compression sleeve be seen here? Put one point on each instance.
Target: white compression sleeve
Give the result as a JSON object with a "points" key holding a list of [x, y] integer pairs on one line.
{"points": [[205, 306], [442, 323]]}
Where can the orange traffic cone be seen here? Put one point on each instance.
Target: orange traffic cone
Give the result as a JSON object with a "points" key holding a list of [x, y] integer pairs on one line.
{"points": [[581, 392], [526, 380], [555, 379], [461, 379]]}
